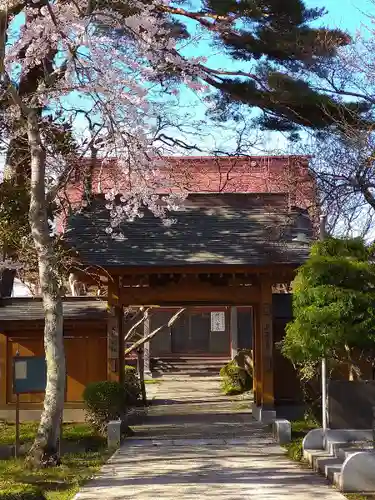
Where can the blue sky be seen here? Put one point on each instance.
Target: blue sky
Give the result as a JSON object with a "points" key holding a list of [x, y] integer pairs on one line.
{"points": [[345, 14], [348, 15]]}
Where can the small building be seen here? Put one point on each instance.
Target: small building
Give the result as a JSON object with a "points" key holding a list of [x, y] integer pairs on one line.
{"points": [[85, 335]]}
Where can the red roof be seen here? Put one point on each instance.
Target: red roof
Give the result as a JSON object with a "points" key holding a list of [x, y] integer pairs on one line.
{"points": [[250, 174]]}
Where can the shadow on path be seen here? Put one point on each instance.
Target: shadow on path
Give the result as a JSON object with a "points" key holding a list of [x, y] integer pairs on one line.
{"points": [[203, 446]]}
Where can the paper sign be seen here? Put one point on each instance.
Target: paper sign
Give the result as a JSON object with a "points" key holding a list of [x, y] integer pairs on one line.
{"points": [[218, 321], [20, 370]]}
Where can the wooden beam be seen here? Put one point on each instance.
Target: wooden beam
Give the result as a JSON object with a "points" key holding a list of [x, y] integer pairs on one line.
{"points": [[3, 369], [267, 384], [195, 295], [280, 270]]}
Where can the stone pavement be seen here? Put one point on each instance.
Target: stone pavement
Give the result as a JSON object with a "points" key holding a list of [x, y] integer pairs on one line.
{"points": [[196, 443]]}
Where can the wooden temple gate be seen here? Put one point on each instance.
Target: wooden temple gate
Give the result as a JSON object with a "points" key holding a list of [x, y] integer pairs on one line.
{"points": [[229, 286]]}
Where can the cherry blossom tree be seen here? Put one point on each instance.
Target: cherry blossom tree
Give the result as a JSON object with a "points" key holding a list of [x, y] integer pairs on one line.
{"points": [[75, 68]]}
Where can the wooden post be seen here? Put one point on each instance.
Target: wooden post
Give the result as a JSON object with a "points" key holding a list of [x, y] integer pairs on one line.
{"points": [[17, 446], [121, 343], [113, 327], [3, 370], [267, 385], [257, 349], [233, 331]]}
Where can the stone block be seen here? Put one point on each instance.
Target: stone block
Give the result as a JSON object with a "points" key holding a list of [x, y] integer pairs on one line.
{"points": [[357, 473], [282, 431], [114, 434], [263, 415], [314, 440]]}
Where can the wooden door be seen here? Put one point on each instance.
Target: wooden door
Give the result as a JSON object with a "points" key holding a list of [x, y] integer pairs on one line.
{"points": [[76, 367], [180, 334], [199, 333]]}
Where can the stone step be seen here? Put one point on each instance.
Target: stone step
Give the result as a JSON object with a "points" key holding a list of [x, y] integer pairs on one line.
{"points": [[188, 366], [192, 359], [329, 462], [327, 466], [348, 449]]}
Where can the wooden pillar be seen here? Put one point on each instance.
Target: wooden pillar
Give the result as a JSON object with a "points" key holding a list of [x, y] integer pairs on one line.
{"points": [[233, 331], [257, 356], [146, 348], [266, 340], [121, 343], [115, 334], [3, 369]]}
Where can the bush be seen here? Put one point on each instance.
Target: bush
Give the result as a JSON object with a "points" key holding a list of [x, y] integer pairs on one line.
{"points": [[235, 378], [294, 449], [104, 401], [132, 386], [21, 492]]}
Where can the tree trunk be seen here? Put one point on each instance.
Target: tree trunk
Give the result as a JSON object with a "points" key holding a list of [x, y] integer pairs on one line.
{"points": [[44, 451]]}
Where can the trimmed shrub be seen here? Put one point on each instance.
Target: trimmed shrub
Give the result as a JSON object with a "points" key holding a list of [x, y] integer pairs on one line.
{"points": [[104, 401], [236, 376], [132, 386], [21, 492]]}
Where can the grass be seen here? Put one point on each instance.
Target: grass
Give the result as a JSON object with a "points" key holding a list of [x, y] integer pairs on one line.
{"points": [[356, 496], [152, 381], [57, 483], [299, 430], [71, 432]]}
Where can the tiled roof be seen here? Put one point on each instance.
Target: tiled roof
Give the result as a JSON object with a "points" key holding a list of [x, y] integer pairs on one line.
{"points": [[231, 229], [28, 309], [196, 174]]}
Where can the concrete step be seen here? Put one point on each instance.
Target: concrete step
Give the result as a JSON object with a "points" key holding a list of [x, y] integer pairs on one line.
{"points": [[193, 366], [198, 360], [348, 449], [311, 455], [329, 462], [332, 445], [328, 465]]}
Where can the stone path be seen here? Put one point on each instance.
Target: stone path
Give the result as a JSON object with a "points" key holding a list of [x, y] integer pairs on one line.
{"points": [[195, 443]]}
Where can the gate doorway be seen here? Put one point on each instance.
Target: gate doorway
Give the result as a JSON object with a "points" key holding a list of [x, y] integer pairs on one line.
{"points": [[192, 334]]}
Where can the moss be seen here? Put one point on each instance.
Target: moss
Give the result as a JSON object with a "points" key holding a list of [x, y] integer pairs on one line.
{"points": [[21, 492], [54, 483]]}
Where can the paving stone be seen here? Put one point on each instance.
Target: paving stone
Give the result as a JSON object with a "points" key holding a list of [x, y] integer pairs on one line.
{"points": [[196, 443]]}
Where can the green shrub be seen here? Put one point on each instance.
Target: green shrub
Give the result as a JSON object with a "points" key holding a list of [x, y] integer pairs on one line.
{"points": [[132, 386], [104, 401], [235, 379], [21, 492]]}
